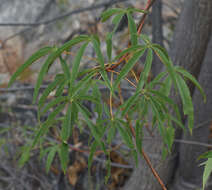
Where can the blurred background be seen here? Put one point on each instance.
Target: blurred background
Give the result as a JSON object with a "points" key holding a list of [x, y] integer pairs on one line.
{"points": [[183, 28]]}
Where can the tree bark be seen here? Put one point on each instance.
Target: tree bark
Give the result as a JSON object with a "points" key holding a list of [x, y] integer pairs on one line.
{"points": [[189, 175], [157, 33], [188, 50]]}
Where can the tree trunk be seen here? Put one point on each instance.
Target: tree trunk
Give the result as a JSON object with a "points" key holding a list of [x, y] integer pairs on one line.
{"points": [[157, 33], [189, 175], [188, 50]]}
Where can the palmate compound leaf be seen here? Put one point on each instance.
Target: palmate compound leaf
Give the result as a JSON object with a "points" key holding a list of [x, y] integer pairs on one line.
{"points": [[180, 84], [52, 57], [37, 55]]}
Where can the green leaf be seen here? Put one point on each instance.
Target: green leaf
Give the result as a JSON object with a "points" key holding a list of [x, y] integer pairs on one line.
{"points": [[161, 49], [51, 58], [93, 148], [128, 66], [43, 152], [147, 68], [97, 94], [109, 45], [131, 9], [167, 62], [65, 67], [186, 100], [138, 136], [162, 98], [111, 133], [166, 88], [178, 122], [91, 126], [44, 127], [128, 50], [169, 137], [157, 80], [135, 156], [207, 171], [206, 155], [146, 39], [106, 109], [37, 55], [84, 81], [116, 20], [110, 12], [100, 58], [132, 29], [76, 63], [64, 156], [89, 98], [157, 113], [125, 136], [50, 157], [54, 102], [96, 45], [24, 156], [192, 79], [49, 89], [61, 86], [108, 168], [66, 126], [129, 103]]}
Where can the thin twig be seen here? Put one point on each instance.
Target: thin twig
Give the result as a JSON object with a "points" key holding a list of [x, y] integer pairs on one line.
{"points": [[111, 103], [141, 23]]}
